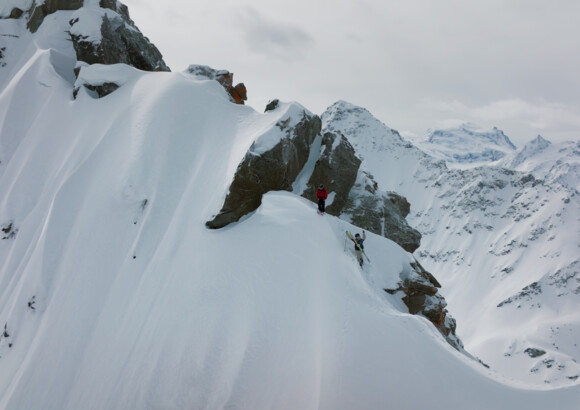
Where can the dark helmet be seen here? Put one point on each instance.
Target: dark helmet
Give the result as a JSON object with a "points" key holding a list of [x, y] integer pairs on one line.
{"points": [[357, 235], [321, 186]]}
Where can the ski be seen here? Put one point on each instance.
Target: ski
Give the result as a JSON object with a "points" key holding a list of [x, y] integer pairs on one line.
{"points": [[351, 237]]}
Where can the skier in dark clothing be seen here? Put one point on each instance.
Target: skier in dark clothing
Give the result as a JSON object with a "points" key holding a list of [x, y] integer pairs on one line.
{"points": [[358, 246], [321, 194]]}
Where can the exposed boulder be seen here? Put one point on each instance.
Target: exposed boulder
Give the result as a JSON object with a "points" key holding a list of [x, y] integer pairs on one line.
{"points": [[16, 13], [101, 80], [272, 105], [273, 170], [101, 90], [420, 289], [238, 93]]}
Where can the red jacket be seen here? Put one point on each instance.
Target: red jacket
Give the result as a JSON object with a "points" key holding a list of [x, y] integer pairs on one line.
{"points": [[321, 193]]}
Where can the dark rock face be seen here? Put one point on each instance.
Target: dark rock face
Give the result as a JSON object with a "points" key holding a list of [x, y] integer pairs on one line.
{"points": [[121, 42], [395, 210], [355, 193], [379, 213], [275, 169], [336, 168], [422, 298]]}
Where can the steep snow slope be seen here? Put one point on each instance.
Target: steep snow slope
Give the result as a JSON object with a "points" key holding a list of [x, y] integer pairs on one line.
{"points": [[115, 296], [503, 244]]}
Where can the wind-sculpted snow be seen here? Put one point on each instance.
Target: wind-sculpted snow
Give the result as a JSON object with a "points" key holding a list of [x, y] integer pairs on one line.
{"points": [[114, 294]]}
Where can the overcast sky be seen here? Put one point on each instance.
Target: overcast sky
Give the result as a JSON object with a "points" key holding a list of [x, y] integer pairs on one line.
{"points": [[414, 64]]}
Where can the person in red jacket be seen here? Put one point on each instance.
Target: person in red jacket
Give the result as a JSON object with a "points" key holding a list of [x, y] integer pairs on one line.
{"points": [[321, 194]]}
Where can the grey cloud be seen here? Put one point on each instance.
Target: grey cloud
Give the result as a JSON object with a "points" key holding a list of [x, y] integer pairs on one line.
{"points": [[275, 39]]}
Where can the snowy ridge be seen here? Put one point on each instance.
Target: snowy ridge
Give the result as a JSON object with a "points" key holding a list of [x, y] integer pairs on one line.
{"points": [[114, 295]]}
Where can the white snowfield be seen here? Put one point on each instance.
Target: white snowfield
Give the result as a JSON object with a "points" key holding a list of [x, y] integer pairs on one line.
{"points": [[116, 296]]}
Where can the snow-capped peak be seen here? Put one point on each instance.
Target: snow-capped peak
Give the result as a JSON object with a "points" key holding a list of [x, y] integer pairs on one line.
{"points": [[467, 144], [365, 132], [530, 150], [558, 162], [539, 141]]}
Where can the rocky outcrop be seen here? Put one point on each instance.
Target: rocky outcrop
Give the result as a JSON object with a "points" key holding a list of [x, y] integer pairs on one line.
{"points": [[120, 40], [273, 170], [100, 90], [237, 93], [381, 212], [354, 193], [15, 13], [272, 105], [395, 226], [422, 298], [337, 168]]}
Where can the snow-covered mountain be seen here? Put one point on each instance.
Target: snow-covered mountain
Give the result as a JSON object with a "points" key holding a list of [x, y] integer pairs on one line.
{"points": [[114, 294], [503, 243], [467, 144], [553, 163]]}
